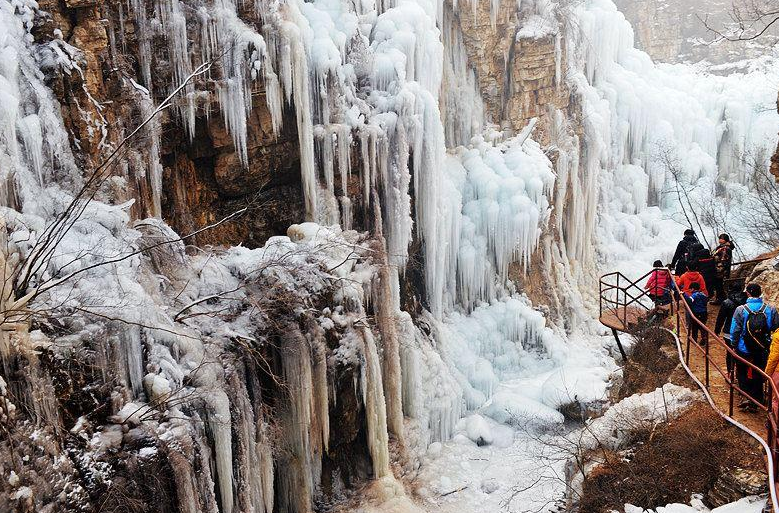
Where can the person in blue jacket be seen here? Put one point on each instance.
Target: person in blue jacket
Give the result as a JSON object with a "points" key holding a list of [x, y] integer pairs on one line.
{"points": [[750, 332], [698, 302]]}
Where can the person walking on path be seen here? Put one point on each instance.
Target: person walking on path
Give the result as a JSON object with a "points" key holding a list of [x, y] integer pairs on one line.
{"points": [[771, 368], [723, 259], [736, 298], [658, 287], [699, 304], [704, 262], [751, 329], [681, 256], [689, 277]]}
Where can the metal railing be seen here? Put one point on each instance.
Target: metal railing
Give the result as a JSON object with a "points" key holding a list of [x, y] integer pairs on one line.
{"points": [[618, 294], [729, 376]]}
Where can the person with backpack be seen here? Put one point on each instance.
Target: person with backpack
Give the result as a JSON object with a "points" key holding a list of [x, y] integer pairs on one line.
{"points": [[698, 302], [682, 254], [723, 259], [751, 329], [705, 265], [658, 287], [736, 298], [689, 277]]}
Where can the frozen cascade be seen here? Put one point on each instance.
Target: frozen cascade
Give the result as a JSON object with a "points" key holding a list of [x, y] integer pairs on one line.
{"points": [[374, 85], [638, 115]]}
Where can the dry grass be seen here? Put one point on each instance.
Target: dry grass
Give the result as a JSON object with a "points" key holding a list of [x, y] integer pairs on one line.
{"points": [[651, 363], [684, 457]]}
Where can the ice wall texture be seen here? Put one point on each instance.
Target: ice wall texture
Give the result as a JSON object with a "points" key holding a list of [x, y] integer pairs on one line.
{"points": [[367, 82], [640, 117]]}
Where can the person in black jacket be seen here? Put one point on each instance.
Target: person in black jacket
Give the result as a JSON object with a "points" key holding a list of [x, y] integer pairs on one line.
{"points": [[723, 257], [736, 298], [681, 256], [707, 266]]}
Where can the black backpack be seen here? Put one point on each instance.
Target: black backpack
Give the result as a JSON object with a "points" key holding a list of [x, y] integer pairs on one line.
{"points": [[757, 333]]}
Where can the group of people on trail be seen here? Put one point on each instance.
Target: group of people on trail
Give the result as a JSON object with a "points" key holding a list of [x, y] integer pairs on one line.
{"points": [[710, 269], [748, 324]]}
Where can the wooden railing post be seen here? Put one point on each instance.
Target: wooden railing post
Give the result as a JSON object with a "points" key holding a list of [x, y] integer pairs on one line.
{"points": [[687, 338]]}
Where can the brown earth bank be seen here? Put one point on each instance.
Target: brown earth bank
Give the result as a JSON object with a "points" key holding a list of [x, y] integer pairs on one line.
{"points": [[695, 454]]}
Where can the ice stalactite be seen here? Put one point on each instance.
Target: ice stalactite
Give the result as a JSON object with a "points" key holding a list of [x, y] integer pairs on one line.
{"points": [[253, 462], [302, 101], [138, 7], [375, 407], [299, 472], [462, 110], [180, 454], [219, 424], [387, 305], [320, 390]]}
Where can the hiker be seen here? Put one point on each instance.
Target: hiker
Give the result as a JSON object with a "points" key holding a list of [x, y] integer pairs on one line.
{"points": [[681, 256], [698, 302], [736, 298], [689, 277], [658, 286], [705, 264], [723, 258], [751, 331], [771, 367]]}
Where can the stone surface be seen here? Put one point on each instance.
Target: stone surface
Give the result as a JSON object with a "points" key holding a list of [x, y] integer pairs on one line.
{"points": [[674, 31], [517, 76], [735, 484]]}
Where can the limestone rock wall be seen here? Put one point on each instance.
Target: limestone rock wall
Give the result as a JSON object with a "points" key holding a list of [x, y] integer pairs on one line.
{"points": [[679, 31], [520, 77], [202, 179]]}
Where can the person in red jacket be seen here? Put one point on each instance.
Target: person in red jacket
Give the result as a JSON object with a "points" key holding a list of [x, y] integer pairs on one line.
{"points": [[691, 276], [658, 286]]}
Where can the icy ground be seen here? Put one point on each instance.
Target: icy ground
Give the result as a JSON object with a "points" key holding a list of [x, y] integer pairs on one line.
{"points": [[527, 468]]}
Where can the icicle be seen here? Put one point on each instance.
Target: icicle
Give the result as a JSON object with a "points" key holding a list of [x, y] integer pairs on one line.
{"points": [[375, 409], [303, 112], [218, 417], [387, 306]]}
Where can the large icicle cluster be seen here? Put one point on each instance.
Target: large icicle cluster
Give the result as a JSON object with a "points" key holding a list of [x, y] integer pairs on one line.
{"points": [[645, 123]]}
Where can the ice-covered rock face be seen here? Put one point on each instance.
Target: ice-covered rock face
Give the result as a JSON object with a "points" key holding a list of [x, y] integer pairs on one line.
{"points": [[238, 363]]}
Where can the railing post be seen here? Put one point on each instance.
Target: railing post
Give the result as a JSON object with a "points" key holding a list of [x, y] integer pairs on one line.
{"points": [[678, 319], [704, 337], [730, 396], [600, 298], [687, 355]]}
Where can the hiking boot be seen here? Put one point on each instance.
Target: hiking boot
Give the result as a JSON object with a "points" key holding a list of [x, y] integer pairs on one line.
{"points": [[743, 405]]}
